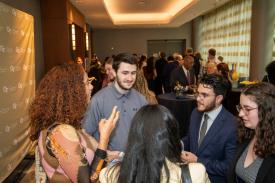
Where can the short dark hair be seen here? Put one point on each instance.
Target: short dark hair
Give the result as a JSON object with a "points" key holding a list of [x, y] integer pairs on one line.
{"points": [[219, 84], [270, 68], [212, 51], [126, 58], [162, 54]]}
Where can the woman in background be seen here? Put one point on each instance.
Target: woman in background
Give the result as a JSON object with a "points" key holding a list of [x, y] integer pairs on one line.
{"points": [[110, 74], [142, 62], [68, 153], [255, 157], [142, 87], [150, 74], [153, 151]]}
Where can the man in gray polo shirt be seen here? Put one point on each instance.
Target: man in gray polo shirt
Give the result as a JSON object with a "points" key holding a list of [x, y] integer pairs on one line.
{"points": [[120, 94]]}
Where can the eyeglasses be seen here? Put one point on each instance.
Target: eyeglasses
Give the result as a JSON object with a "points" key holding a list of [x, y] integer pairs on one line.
{"points": [[88, 82], [245, 109], [203, 95]]}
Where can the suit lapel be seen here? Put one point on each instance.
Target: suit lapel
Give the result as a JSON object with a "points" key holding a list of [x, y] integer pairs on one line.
{"points": [[196, 131], [264, 169], [182, 74], [215, 128]]}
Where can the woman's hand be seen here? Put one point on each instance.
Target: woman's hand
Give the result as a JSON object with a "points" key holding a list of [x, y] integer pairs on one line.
{"points": [[106, 127], [111, 155]]}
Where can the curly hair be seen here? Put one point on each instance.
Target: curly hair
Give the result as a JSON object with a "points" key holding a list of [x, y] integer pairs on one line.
{"points": [[224, 69], [263, 94], [61, 97]]}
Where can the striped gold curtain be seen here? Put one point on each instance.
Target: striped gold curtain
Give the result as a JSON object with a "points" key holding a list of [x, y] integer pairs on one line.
{"points": [[227, 29]]}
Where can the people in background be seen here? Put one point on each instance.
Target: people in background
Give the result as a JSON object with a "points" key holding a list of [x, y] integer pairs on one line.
{"points": [[189, 51], [197, 64], [168, 68], [79, 60], [211, 139], [153, 151], [255, 157], [142, 87], [110, 73], [183, 74], [96, 71], [211, 68], [150, 74], [270, 70], [212, 56], [121, 94], [160, 63], [220, 58], [142, 62], [67, 152], [223, 70]]}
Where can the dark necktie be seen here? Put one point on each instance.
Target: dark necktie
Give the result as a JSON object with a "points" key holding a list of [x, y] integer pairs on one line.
{"points": [[203, 128], [188, 76]]}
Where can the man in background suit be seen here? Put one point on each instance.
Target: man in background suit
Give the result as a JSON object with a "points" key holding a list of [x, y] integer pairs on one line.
{"points": [[184, 73], [211, 139]]}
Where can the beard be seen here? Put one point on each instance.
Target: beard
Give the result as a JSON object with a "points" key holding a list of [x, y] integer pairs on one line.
{"points": [[208, 107], [122, 86]]}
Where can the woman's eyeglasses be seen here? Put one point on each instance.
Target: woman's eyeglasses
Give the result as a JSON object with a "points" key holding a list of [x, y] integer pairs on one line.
{"points": [[245, 110]]}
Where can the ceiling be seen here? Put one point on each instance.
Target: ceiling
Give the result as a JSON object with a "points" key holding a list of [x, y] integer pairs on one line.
{"points": [[143, 13]]}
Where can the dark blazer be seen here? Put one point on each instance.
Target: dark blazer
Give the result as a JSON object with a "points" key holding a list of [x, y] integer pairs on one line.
{"points": [[266, 173], [178, 74], [218, 147]]}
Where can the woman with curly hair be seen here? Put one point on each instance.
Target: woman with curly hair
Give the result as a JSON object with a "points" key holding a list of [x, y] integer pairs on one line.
{"points": [[142, 87], [67, 152], [153, 153], [255, 157]]}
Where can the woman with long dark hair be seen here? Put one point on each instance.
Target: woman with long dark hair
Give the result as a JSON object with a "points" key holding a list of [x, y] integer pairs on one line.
{"points": [[153, 151], [255, 157]]}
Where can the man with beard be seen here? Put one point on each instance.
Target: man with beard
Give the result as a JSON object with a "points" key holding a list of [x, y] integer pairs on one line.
{"points": [[120, 94], [211, 139]]}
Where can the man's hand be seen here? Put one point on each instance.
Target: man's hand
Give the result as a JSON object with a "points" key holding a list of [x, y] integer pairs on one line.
{"points": [[188, 157]]}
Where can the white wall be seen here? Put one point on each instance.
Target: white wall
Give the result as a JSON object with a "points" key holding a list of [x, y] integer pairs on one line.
{"points": [[113, 41]]}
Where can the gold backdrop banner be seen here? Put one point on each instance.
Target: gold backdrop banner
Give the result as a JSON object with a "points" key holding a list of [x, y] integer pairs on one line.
{"points": [[17, 80]]}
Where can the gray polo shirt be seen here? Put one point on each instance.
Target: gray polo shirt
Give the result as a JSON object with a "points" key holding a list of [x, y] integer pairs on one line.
{"points": [[101, 107]]}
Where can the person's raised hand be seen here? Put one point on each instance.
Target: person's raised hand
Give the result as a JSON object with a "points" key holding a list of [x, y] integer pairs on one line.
{"points": [[106, 127]]}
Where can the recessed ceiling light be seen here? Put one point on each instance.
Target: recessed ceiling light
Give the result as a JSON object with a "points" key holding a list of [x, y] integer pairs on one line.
{"points": [[141, 2]]}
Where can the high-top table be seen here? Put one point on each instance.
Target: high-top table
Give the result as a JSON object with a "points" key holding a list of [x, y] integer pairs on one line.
{"points": [[180, 107]]}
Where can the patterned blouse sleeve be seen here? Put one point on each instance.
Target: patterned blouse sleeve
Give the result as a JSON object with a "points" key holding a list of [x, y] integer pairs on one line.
{"points": [[66, 147]]}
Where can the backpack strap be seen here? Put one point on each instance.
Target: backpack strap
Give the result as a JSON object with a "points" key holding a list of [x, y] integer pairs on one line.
{"points": [[185, 174]]}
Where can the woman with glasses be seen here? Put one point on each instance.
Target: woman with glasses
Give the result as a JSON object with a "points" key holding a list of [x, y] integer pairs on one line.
{"points": [[255, 157]]}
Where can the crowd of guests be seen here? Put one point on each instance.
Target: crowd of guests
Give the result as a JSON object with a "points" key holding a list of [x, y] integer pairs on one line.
{"points": [[121, 134]]}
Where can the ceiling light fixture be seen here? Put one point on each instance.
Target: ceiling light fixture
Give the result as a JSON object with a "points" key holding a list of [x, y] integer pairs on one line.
{"points": [[141, 2], [145, 18]]}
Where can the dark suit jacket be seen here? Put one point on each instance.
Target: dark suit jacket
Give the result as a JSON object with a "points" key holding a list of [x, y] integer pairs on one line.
{"points": [[266, 173], [178, 75], [217, 149]]}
